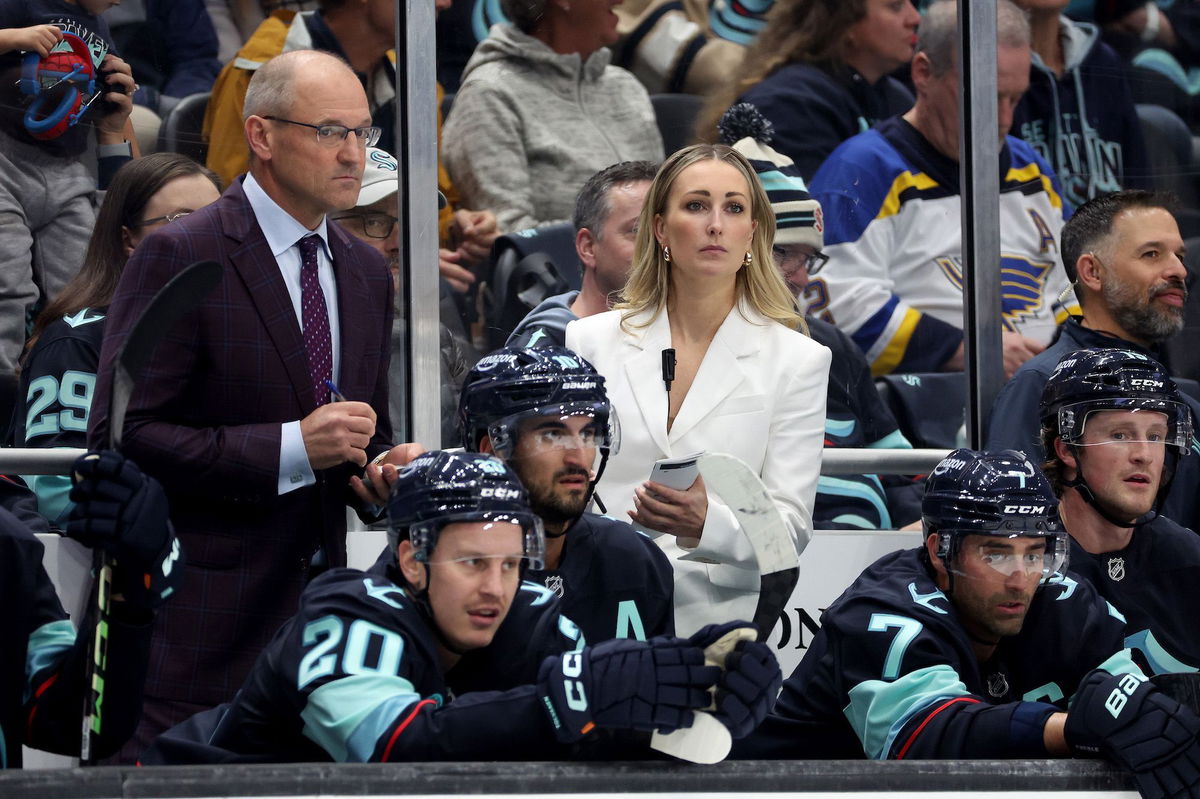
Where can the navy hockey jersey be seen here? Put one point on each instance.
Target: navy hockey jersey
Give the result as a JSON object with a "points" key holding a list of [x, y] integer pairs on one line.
{"points": [[892, 674], [58, 379], [1155, 583], [355, 676], [613, 581], [43, 664]]}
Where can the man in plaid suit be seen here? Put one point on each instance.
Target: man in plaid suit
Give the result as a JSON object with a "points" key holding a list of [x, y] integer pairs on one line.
{"points": [[235, 413]]}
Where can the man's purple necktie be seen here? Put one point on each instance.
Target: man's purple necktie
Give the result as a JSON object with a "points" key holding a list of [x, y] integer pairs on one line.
{"points": [[314, 318]]}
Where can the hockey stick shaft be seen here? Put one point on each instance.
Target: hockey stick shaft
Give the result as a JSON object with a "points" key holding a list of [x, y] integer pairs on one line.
{"points": [[181, 294]]}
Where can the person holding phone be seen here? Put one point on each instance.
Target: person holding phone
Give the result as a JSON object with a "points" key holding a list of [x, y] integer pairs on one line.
{"points": [[705, 307]]}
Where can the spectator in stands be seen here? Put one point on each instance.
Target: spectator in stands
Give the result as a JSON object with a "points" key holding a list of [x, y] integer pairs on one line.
{"points": [[855, 416], [1115, 427], [363, 36], [819, 72], [892, 207], [746, 380], [236, 20], [1162, 41], [46, 192], [171, 46], [1125, 257], [373, 221], [669, 46], [58, 369], [541, 109], [1078, 112], [606, 224]]}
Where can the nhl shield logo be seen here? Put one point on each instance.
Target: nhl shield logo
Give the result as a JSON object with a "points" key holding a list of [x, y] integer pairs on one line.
{"points": [[1116, 569], [555, 583]]}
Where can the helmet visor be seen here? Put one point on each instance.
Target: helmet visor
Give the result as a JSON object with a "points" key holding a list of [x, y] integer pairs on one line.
{"points": [[532, 553], [1130, 421], [572, 425], [1002, 554]]}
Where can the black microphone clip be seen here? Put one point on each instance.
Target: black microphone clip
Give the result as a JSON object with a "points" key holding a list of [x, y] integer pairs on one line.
{"points": [[668, 367]]}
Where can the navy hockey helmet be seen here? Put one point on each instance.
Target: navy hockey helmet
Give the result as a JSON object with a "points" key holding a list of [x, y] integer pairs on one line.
{"points": [[511, 385], [1112, 380], [993, 494], [440, 488]]}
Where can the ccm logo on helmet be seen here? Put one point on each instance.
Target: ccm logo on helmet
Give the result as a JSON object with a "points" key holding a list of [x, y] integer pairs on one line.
{"points": [[1146, 382], [1025, 509], [500, 493]]}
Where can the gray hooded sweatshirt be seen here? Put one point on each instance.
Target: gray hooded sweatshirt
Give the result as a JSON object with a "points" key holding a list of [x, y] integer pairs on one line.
{"points": [[529, 126]]}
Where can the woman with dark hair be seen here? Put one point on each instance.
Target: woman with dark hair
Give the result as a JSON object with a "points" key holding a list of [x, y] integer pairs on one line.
{"points": [[58, 370], [541, 110], [747, 380], [819, 73]]}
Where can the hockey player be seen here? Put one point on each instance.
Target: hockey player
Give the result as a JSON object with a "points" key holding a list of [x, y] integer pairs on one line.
{"points": [[1114, 427], [971, 645], [545, 413], [44, 661], [368, 668]]}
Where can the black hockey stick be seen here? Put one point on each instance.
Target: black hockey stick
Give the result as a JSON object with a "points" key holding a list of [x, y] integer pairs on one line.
{"points": [[181, 294]]}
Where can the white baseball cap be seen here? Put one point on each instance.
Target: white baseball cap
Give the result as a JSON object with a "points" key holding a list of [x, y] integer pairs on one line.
{"points": [[381, 178]]}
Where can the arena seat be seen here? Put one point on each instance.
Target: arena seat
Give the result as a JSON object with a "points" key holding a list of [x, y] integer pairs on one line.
{"points": [[928, 407], [676, 117], [181, 128], [527, 267], [1170, 162]]}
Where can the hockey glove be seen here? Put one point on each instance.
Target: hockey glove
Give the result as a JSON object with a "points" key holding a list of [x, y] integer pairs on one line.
{"points": [[748, 687], [625, 684], [1128, 721], [124, 512]]}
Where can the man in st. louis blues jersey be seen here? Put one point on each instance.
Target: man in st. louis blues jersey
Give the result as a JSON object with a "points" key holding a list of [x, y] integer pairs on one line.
{"points": [[545, 412], [385, 666], [1115, 427], [972, 645], [893, 232]]}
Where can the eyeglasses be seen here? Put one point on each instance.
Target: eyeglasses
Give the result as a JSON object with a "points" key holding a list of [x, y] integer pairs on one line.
{"points": [[333, 135], [168, 219], [377, 226], [788, 260]]}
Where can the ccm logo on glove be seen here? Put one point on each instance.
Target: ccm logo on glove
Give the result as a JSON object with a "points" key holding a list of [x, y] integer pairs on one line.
{"points": [[573, 689]]}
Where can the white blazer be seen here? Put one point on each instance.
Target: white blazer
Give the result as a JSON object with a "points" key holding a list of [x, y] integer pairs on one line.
{"points": [[759, 394]]}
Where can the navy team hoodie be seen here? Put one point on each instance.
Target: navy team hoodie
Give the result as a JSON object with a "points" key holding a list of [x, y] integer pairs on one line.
{"points": [[1084, 123]]}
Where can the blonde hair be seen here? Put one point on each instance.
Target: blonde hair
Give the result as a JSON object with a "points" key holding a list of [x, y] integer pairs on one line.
{"points": [[759, 284]]}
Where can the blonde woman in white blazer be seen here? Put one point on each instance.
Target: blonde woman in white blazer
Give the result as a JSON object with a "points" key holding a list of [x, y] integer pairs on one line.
{"points": [[747, 380]]}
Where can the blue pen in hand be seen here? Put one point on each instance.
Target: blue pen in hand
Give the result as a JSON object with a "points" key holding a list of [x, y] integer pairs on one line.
{"points": [[334, 392]]}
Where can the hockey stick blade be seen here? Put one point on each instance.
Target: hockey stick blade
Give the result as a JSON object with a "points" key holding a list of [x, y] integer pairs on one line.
{"points": [[778, 561], [779, 569], [181, 294]]}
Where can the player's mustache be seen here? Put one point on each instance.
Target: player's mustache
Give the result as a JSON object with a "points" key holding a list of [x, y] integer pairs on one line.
{"points": [[573, 471]]}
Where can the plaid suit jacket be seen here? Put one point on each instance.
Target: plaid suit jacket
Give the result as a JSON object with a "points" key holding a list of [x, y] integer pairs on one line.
{"points": [[205, 420]]}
